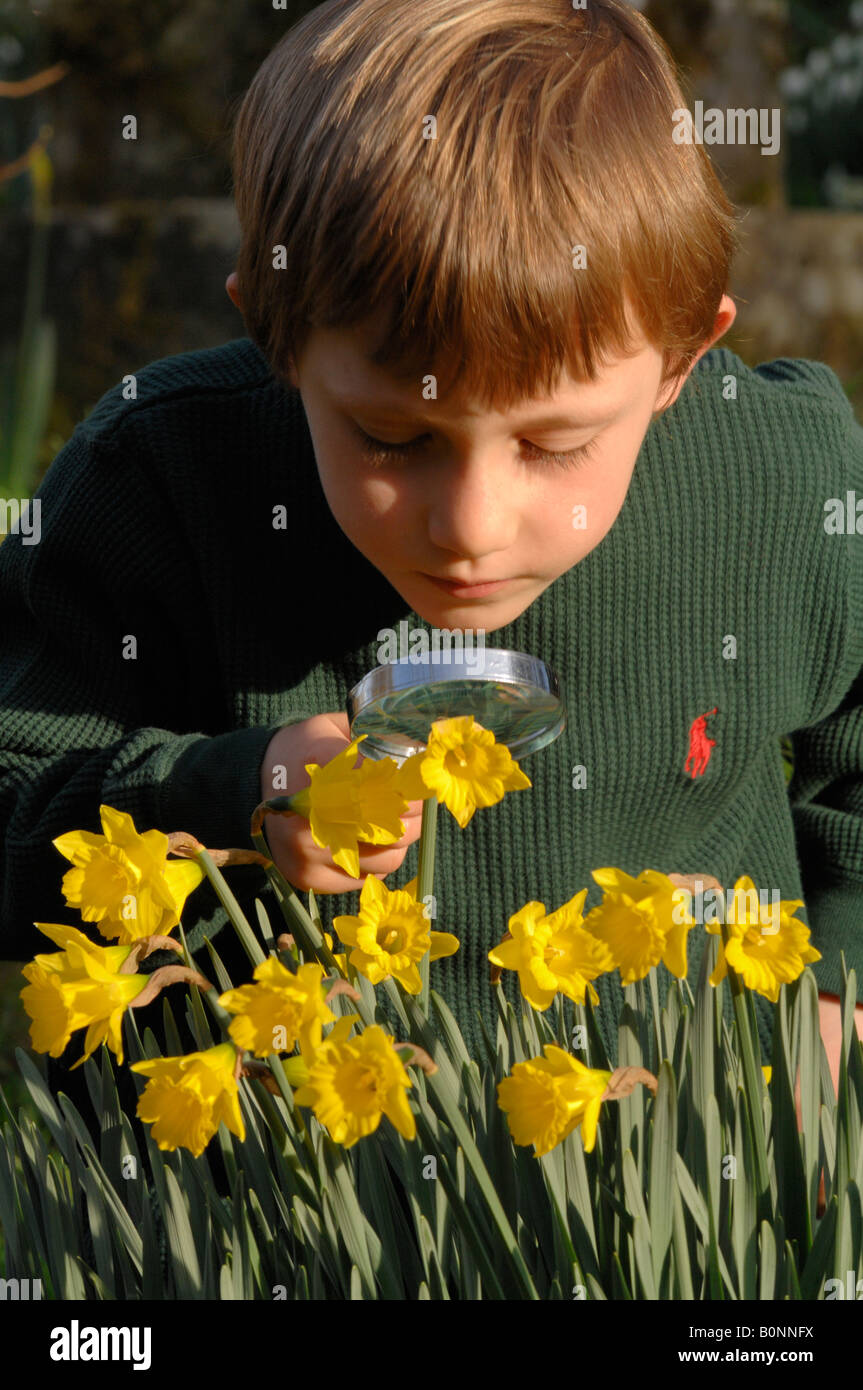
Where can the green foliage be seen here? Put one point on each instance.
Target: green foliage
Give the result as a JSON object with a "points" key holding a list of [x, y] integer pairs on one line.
{"points": [[665, 1207]]}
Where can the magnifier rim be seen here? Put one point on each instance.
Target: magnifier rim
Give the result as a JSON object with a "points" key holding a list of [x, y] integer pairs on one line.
{"points": [[514, 668], [400, 676]]}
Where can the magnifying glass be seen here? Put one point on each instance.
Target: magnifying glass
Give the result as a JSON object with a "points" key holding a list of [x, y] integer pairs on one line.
{"points": [[515, 695]]}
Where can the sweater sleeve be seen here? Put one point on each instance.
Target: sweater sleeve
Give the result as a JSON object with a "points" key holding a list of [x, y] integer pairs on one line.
{"points": [[103, 698], [826, 789]]}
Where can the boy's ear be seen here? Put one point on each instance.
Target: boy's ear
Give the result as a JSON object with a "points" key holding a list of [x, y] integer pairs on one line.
{"points": [[725, 316], [231, 287], [234, 296]]}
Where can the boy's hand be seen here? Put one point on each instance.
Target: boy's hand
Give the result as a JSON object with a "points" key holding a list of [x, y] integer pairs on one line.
{"points": [[294, 852]]}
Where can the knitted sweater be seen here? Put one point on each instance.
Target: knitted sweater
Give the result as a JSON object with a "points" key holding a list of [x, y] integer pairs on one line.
{"points": [[717, 588]]}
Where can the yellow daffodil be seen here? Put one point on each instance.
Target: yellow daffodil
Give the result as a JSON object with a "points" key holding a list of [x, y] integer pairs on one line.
{"points": [[279, 1010], [353, 1082], [391, 934], [767, 946], [187, 1098], [344, 805], [636, 919], [553, 953], [768, 1072], [78, 987], [546, 1098], [123, 880], [340, 960], [463, 766]]}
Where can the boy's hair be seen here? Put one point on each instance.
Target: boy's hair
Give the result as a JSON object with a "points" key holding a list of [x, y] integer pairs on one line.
{"points": [[554, 130]]}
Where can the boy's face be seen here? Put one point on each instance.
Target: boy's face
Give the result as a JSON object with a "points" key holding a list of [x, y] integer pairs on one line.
{"points": [[475, 500]]}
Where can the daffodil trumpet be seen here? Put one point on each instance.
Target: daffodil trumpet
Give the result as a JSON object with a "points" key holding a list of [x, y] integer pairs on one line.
{"points": [[123, 881]]}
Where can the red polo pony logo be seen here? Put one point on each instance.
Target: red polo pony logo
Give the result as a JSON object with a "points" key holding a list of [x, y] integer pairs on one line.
{"points": [[700, 745]]}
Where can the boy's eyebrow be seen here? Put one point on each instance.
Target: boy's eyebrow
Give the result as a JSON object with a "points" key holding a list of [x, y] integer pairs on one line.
{"points": [[362, 403]]}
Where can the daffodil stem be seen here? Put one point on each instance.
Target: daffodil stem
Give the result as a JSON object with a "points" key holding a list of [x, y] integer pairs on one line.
{"points": [[752, 1084], [309, 939], [221, 1015], [425, 882]]}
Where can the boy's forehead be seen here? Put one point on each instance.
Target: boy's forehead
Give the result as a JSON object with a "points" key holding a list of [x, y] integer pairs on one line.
{"points": [[341, 361]]}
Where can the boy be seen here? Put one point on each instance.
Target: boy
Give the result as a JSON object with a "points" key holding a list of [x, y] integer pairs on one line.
{"points": [[481, 283]]}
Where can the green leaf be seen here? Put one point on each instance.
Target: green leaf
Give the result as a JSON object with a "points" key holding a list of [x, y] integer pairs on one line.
{"points": [[181, 1240], [443, 1086], [100, 1232], [223, 979], [152, 1282], [693, 1198], [43, 1100], [465, 1224], [399, 1268], [101, 1291], [322, 1252], [172, 1035], [266, 930], [121, 1223], [580, 1205], [65, 1271], [811, 1048], [9, 1221], [848, 1226], [743, 1207], [631, 1108], [245, 1262], [792, 1281], [237, 917], [820, 1258], [767, 1281], [352, 1223], [663, 1147], [788, 1157], [551, 1166], [641, 1232], [450, 1033], [437, 1282], [682, 1253]]}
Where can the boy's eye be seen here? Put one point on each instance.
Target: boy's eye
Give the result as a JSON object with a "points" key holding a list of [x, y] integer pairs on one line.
{"points": [[378, 451]]}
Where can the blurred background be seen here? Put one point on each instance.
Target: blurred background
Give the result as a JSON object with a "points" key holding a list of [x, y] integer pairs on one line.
{"points": [[115, 252]]}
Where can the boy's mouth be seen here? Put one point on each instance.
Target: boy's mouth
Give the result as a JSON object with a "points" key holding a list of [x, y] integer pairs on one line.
{"points": [[459, 590]]}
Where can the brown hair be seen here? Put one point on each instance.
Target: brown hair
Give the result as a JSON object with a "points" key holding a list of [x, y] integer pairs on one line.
{"points": [[554, 129]]}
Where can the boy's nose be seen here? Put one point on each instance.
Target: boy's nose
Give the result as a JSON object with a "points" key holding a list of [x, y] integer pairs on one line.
{"points": [[474, 512]]}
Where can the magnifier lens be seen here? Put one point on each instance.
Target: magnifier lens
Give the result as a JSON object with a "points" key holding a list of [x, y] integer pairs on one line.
{"points": [[515, 695]]}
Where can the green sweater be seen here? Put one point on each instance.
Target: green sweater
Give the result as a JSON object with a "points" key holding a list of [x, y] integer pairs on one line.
{"points": [[157, 524]]}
